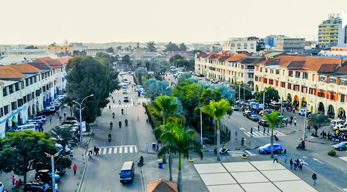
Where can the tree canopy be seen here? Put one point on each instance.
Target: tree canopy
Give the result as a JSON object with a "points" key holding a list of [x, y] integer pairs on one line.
{"points": [[173, 47], [270, 95], [126, 60], [139, 73], [86, 76], [110, 50], [151, 46]]}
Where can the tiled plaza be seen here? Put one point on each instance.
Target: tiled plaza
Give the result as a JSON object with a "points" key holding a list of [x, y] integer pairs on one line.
{"points": [[250, 176]]}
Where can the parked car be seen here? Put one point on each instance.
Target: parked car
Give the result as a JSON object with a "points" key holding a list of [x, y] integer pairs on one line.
{"points": [[266, 111], [207, 79], [245, 113], [39, 187], [46, 176], [336, 122], [60, 148], [340, 127], [303, 111], [125, 92], [267, 148], [46, 112], [34, 121], [236, 108], [340, 146], [51, 108], [263, 123], [41, 118], [254, 117]]}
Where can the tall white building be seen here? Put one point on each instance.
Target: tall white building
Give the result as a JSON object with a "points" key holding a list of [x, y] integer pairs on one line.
{"points": [[240, 45]]}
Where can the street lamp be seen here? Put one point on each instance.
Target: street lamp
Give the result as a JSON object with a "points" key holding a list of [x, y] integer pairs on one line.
{"points": [[264, 98], [304, 135], [201, 125], [80, 104], [53, 174]]}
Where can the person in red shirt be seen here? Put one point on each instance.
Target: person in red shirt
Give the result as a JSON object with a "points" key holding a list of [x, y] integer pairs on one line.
{"points": [[74, 169]]}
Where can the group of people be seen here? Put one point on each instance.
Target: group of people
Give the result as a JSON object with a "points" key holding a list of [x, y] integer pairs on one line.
{"points": [[336, 135], [96, 152], [296, 164], [16, 183]]}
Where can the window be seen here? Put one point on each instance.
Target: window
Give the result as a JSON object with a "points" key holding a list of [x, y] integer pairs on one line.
{"points": [[232, 45], [342, 98], [261, 70], [271, 82], [343, 82], [265, 70], [290, 73], [250, 75], [332, 96], [283, 84], [6, 109], [4, 93], [304, 89], [312, 77], [289, 86], [323, 79], [304, 75], [297, 74], [1, 112], [20, 102], [271, 71], [10, 89], [22, 84], [24, 99], [296, 87], [14, 106], [277, 71], [32, 95], [312, 91], [16, 86], [332, 80], [256, 78]]}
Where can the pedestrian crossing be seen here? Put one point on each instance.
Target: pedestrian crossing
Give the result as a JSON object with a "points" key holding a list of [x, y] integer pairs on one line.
{"points": [[257, 133], [239, 153], [121, 106], [109, 150], [128, 90]]}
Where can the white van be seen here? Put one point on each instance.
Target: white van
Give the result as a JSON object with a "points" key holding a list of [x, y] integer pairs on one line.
{"points": [[30, 127]]}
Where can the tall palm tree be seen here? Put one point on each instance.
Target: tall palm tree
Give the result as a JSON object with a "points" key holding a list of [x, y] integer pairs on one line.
{"points": [[273, 120], [182, 141], [217, 110], [317, 120], [164, 107]]}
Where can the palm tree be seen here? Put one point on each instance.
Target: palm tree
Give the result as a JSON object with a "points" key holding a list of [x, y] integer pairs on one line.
{"points": [[273, 120], [317, 120], [164, 107], [181, 140], [217, 110]]}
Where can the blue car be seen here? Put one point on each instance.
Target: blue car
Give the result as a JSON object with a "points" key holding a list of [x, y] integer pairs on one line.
{"points": [[254, 118], [340, 146], [267, 148]]}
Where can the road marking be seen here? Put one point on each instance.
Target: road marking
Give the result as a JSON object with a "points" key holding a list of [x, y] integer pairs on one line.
{"points": [[110, 150], [318, 161], [249, 153], [131, 150], [135, 149], [344, 189], [104, 151], [125, 149], [115, 150], [242, 128], [120, 149], [261, 134]]}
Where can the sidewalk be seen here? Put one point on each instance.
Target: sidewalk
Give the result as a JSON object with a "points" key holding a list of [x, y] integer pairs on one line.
{"points": [[69, 182]]}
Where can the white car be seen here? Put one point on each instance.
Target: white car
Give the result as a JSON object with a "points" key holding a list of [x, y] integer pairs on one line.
{"points": [[341, 127], [41, 118]]}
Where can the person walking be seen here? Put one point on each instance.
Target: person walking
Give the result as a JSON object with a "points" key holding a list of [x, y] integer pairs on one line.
{"points": [[64, 116], [97, 151], [263, 129], [314, 178], [215, 151], [97, 129], [294, 122], [291, 163], [285, 151], [236, 133], [90, 155], [146, 148], [242, 141], [285, 158], [74, 169], [275, 159], [291, 118], [50, 120], [13, 180], [251, 131], [259, 128]]}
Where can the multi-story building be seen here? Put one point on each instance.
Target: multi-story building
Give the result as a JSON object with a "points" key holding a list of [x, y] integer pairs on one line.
{"points": [[328, 31], [233, 68], [290, 45], [24, 91], [17, 56], [271, 41], [57, 49], [320, 84], [240, 45]]}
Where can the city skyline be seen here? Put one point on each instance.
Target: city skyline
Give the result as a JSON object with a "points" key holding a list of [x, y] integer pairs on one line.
{"points": [[45, 22]]}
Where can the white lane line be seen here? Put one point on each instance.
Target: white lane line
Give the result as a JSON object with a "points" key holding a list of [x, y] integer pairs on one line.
{"points": [[104, 151], [115, 150], [120, 149], [131, 150], [110, 150], [125, 149], [135, 149]]}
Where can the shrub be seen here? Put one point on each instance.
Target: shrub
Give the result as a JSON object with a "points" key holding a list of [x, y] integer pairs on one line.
{"points": [[332, 153]]}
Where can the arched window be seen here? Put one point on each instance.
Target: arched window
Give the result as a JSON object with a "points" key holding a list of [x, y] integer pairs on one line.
{"points": [[239, 45], [233, 45]]}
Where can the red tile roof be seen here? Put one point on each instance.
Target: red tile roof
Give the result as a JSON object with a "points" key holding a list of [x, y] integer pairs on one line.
{"points": [[162, 185], [213, 56], [235, 57], [22, 68], [8, 73]]}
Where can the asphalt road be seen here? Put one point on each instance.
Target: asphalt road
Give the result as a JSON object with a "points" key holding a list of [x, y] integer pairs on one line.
{"points": [[103, 171]]}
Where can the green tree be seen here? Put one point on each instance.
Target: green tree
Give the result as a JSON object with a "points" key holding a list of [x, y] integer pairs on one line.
{"points": [[151, 46], [183, 47], [126, 60], [20, 150], [63, 135], [217, 110], [245, 92], [182, 141], [171, 47], [273, 120], [317, 121], [68, 101], [86, 76], [139, 73], [270, 95], [110, 50], [164, 107], [119, 48]]}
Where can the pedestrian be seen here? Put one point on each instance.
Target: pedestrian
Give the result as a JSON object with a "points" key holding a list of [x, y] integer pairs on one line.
{"points": [[236, 133], [64, 116], [290, 122], [50, 120], [294, 122], [259, 128], [285, 151], [291, 118], [97, 129], [157, 146], [59, 119], [314, 177], [74, 169], [263, 129], [275, 158], [295, 165], [291, 163], [268, 130], [17, 183], [286, 122], [251, 130], [285, 158], [90, 155], [2, 187], [242, 141], [13, 180], [97, 151], [295, 117], [20, 181], [215, 151], [146, 148]]}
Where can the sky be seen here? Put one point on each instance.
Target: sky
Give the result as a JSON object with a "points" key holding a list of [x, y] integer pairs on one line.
{"points": [[100, 21]]}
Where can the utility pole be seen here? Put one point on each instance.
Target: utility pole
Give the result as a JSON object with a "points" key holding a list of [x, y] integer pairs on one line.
{"points": [[244, 93], [80, 104], [239, 94], [53, 174], [201, 126], [264, 98], [304, 135]]}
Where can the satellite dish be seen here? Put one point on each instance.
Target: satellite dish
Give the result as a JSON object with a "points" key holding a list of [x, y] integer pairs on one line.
{"points": [[344, 19]]}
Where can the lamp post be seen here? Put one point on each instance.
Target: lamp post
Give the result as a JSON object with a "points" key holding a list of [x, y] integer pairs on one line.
{"points": [[264, 98], [201, 126], [80, 104], [53, 175], [304, 134], [239, 94]]}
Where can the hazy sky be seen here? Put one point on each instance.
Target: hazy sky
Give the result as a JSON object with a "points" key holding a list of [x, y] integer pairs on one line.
{"points": [[47, 21]]}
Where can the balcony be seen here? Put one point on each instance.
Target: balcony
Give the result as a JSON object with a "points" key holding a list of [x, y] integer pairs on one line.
{"points": [[322, 86]]}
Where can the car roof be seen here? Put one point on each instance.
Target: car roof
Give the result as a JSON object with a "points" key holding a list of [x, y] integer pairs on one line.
{"points": [[127, 165]]}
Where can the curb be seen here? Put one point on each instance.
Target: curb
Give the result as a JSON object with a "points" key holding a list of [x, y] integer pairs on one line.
{"points": [[236, 149]]}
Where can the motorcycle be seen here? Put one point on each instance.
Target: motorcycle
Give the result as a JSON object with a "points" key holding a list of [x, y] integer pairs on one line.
{"points": [[111, 125], [140, 162], [223, 151], [126, 122], [120, 124], [300, 146], [109, 137], [122, 111], [113, 115], [276, 137]]}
